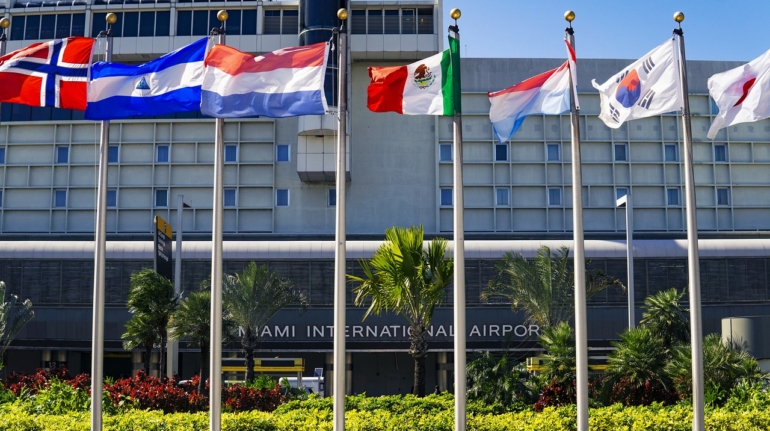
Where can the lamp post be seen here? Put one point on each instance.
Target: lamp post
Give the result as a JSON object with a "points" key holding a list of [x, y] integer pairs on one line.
{"points": [[4, 24], [625, 201], [172, 348]]}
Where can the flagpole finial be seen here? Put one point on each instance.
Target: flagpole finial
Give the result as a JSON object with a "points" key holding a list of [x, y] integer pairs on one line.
{"points": [[455, 14], [679, 17], [342, 14], [222, 15], [569, 16], [111, 18], [5, 23]]}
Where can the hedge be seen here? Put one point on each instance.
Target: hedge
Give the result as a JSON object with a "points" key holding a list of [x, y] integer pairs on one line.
{"points": [[614, 418]]}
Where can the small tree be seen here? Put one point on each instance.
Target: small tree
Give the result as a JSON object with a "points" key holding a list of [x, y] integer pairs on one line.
{"points": [[140, 334], [666, 318], [152, 301], [13, 317], [251, 298], [544, 288], [405, 278]]}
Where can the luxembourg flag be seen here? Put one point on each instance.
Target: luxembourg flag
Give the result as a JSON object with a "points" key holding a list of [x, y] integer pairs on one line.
{"points": [[544, 94], [284, 83], [166, 85]]}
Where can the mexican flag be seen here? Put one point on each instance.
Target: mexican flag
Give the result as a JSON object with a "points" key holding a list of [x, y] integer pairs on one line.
{"points": [[427, 87]]}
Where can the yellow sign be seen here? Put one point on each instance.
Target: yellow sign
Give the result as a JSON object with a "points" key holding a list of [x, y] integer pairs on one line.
{"points": [[163, 226]]}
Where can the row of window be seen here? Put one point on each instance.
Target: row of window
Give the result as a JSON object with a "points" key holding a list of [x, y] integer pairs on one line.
{"points": [[133, 24], [553, 152], [161, 153], [161, 198], [503, 196], [54, 26], [392, 21], [200, 22]]}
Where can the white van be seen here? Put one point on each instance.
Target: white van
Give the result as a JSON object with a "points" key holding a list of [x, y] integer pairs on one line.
{"points": [[314, 385]]}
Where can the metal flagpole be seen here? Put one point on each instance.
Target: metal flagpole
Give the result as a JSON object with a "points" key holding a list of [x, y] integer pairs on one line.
{"points": [[215, 356], [4, 24], [100, 247], [693, 261], [172, 351], [581, 327], [625, 201], [459, 257], [340, 252]]}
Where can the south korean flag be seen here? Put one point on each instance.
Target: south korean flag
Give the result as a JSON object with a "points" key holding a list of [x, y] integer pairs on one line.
{"points": [[648, 87]]}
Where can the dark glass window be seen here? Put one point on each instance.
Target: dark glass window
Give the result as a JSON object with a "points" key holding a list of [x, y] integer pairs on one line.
{"points": [[32, 31], [391, 21], [229, 194], [47, 26], [723, 196], [445, 152], [671, 152], [234, 22], [332, 197], [2, 155], [98, 24], [117, 28], [112, 154], [553, 152], [112, 198], [272, 23], [290, 23], [20, 112], [375, 21], [162, 154], [425, 21], [41, 113], [446, 197], [358, 22], [200, 26], [17, 28], [281, 153], [63, 25], [162, 20], [408, 22], [282, 197], [720, 153], [59, 114], [501, 152], [183, 23], [161, 198], [130, 24], [146, 24], [231, 153], [62, 154], [78, 24], [621, 155], [249, 25], [60, 198]]}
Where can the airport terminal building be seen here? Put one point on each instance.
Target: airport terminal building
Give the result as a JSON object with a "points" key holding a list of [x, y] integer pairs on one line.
{"points": [[279, 191]]}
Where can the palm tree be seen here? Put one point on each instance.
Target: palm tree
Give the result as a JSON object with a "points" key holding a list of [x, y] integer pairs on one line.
{"points": [[251, 298], [152, 296], [13, 317], [501, 381], [140, 334], [543, 288], [667, 319], [404, 278], [636, 368], [559, 358], [192, 320]]}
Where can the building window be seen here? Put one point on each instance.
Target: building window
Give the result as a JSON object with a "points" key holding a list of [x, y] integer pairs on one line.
{"points": [[62, 154], [1, 198], [281, 22], [358, 21], [112, 198], [553, 152], [231, 153], [720, 153], [161, 154], [501, 152], [112, 154], [554, 197], [58, 26], [425, 21], [60, 198], [332, 198], [671, 152], [620, 192], [281, 153], [282, 197], [143, 24], [2, 155], [672, 197], [229, 197], [723, 196], [714, 107], [290, 22], [408, 21], [161, 198], [374, 21], [446, 197], [391, 21], [503, 197], [445, 152], [621, 153]]}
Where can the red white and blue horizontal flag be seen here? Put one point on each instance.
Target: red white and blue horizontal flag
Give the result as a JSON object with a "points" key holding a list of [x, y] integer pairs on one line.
{"points": [[544, 94], [284, 83], [53, 73]]}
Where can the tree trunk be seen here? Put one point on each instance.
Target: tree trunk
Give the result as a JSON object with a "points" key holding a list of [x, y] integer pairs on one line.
{"points": [[147, 356], [204, 373], [162, 356], [419, 350], [249, 350]]}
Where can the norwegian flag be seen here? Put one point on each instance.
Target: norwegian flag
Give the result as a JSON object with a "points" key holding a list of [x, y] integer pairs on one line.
{"points": [[51, 73]]}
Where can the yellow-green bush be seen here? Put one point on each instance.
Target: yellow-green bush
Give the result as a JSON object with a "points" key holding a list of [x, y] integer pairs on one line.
{"points": [[614, 418]]}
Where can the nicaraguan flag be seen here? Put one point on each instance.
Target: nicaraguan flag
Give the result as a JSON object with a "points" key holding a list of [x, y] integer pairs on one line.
{"points": [[166, 85], [544, 94], [284, 83]]}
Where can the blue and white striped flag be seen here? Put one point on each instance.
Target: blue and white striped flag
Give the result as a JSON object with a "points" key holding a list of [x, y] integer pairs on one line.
{"points": [[166, 85]]}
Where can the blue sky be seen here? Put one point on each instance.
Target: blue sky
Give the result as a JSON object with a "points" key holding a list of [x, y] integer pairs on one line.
{"points": [[713, 29]]}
